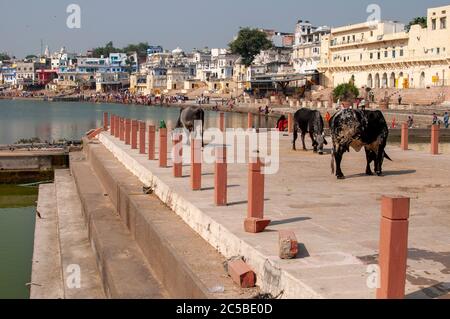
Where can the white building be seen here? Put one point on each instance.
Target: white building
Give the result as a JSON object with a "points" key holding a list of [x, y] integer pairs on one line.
{"points": [[307, 47]]}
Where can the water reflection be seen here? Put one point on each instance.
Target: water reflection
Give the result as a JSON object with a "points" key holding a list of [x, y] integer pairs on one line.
{"points": [[70, 120]]}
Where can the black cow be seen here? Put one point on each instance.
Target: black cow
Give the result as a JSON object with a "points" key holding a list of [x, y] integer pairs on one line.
{"points": [[188, 117], [311, 122], [358, 129]]}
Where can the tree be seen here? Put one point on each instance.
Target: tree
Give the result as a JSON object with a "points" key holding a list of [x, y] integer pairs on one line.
{"points": [[30, 57], [249, 43], [140, 48], [4, 56], [346, 92], [106, 50], [422, 21]]}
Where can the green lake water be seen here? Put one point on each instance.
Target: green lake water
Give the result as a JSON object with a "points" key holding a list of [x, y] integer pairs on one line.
{"points": [[17, 219]]}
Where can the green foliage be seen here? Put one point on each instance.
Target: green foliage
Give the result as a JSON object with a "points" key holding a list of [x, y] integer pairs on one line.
{"points": [[422, 21], [30, 57], [346, 92], [4, 56], [140, 48], [249, 43], [106, 50]]}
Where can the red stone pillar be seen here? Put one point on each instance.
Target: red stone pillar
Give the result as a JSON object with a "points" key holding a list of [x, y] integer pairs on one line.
{"points": [[222, 121], [113, 124], [290, 123], [393, 247], [134, 132], [220, 176], [127, 131], [122, 129], [405, 137], [151, 142], [250, 120], [177, 153], [435, 139], [117, 127], [105, 121], [162, 147], [196, 164], [142, 138], [255, 222]]}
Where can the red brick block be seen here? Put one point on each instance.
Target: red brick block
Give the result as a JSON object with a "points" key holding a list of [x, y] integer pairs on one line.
{"points": [[255, 225], [94, 133], [241, 274], [288, 244]]}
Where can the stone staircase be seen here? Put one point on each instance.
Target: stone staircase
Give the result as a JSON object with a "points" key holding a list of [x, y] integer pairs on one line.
{"points": [[125, 243], [424, 97]]}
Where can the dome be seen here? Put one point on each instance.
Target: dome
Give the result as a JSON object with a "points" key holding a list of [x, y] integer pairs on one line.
{"points": [[178, 50]]}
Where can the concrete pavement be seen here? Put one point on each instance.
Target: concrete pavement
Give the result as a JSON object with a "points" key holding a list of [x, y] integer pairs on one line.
{"points": [[336, 222]]}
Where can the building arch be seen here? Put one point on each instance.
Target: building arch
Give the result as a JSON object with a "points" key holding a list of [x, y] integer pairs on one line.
{"points": [[370, 81], [392, 80], [377, 81], [422, 80], [384, 82]]}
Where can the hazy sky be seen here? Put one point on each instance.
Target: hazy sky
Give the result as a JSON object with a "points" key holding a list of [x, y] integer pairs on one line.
{"points": [[171, 23]]}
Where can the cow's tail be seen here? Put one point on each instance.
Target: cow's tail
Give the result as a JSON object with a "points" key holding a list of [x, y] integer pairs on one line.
{"points": [[179, 123], [333, 169], [387, 157]]}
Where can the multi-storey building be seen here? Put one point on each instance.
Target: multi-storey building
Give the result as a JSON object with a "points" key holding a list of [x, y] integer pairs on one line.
{"points": [[307, 47], [26, 72], [385, 55]]}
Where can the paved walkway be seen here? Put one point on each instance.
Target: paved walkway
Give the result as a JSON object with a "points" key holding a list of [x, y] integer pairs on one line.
{"points": [[336, 222]]}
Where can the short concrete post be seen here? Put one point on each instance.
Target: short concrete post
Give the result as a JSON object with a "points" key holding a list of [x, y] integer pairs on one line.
{"points": [[122, 129], [142, 137], [196, 164], [255, 222], [105, 121], [435, 130], [177, 155], [151, 142], [162, 147], [113, 124], [290, 123], [220, 176], [249, 120], [405, 137], [127, 131], [393, 247], [222, 121], [134, 134]]}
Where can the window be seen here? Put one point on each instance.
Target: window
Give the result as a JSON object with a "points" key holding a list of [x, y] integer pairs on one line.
{"points": [[438, 50], [371, 33], [433, 24], [379, 55], [360, 57], [385, 54], [393, 54], [371, 56], [401, 52], [444, 23]]}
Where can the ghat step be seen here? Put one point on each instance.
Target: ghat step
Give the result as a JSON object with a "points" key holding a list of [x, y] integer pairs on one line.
{"points": [[187, 266], [124, 271]]}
